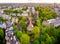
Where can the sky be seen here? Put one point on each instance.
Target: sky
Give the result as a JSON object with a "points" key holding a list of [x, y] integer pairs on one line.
{"points": [[29, 1]]}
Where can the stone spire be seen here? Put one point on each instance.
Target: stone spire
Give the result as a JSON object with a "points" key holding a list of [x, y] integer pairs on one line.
{"points": [[30, 26]]}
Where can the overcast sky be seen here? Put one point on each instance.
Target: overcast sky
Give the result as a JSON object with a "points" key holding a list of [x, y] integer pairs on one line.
{"points": [[29, 1]]}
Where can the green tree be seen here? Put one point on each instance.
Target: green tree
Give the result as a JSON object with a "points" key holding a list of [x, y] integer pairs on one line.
{"points": [[1, 33], [23, 25], [16, 12], [2, 41], [2, 20], [25, 39], [18, 34], [46, 13], [9, 12], [35, 42], [15, 26], [19, 17], [48, 40], [36, 32], [48, 35], [6, 11], [57, 41], [52, 31], [38, 23], [20, 11], [36, 8], [24, 8]]}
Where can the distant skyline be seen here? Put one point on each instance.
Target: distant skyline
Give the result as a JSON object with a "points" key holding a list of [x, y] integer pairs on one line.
{"points": [[29, 1], [28, 4]]}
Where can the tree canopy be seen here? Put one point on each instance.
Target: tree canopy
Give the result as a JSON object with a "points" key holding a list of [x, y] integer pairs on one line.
{"points": [[46, 13], [25, 39]]}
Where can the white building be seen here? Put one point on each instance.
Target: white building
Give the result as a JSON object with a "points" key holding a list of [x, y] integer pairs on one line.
{"points": [[24, 13], [54, 22]]}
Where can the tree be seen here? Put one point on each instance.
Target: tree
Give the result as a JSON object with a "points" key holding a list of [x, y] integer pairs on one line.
{"points": [[54, 15], [2, 41], [25, 39], [16, 12], [18, 34], [24, 8], [52, 31], [36, 32], [46, 13], [42, 42], [42, 38], [15, 26], [53, 40], [35, 42], [8, 11], [22, 20], [20, 11], [48, 40], [2, 20], [23, 25], [36, 8], [57, 41], [19, 17], [1, 33], [38, 23], [48, 35]]}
